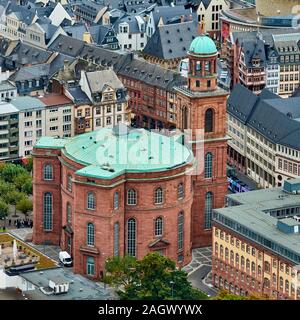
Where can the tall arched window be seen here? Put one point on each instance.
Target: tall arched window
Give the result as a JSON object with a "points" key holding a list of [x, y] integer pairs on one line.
{"points": [[48, 211], [116, 200], [180, 231], [131, 197], [180, 191], [208, 165], [69, 182], [159, 196], [69, 213], [209, 120], [48, 172], [185, 115], [116, 239], [158, 226], [131, 237], [91, 201], [208, 210], [90, 234]]}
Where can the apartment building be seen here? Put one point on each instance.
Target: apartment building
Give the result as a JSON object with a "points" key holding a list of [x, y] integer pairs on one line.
{"points": [[131, 32], [7, 89], [32, 122], [264, 133], [258, 252], [108, 98], [9, 131], [265, 59], [59, 115]]}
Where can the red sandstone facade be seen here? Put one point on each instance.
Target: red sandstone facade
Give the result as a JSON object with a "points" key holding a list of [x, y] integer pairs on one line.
{"points": [[72, 236], [202, 108]]}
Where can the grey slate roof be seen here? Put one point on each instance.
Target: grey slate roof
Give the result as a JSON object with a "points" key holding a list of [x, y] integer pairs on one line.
{"points": [[31, 72], [77, 95], [167, 13], [67, 45], [171, 41], [254, 49], [99, 79], [276, 119], [25, 53]]}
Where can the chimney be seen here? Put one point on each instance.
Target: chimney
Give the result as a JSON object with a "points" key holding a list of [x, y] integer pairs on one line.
{"points": [[87, 37], [66, 64]]}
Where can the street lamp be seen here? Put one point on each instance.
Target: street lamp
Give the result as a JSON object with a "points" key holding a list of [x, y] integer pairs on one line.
{"points": [[172, 284]]}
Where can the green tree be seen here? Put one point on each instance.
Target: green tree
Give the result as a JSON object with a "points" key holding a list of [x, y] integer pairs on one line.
{"points": [[4, 210], [14, 197], [119, 271], [155, 277], [9, 171], [5, 188], [27, 187], [22, 179], [24, 205]]}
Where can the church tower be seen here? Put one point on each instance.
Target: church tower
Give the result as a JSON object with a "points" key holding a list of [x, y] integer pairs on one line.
{"points": [[201, 107]]}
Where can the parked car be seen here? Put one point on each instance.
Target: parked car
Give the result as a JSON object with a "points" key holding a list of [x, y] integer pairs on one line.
{"points": [[65, 259]]}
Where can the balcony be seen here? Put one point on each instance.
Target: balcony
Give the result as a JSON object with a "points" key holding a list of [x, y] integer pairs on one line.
{"points": [[4, 123]]}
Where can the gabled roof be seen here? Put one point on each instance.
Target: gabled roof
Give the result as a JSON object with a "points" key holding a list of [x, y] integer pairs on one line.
{"points": [[277, 119], [31, 72], [67, 45], [167, 13], [171, 41], [98, 80]]}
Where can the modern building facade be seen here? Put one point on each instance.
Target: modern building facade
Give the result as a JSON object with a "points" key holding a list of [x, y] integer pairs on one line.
{"points": [[256, 243]]}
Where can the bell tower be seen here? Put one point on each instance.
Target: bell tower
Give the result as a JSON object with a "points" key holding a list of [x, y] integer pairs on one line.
{"points": [[201, 108], [202, 75]]}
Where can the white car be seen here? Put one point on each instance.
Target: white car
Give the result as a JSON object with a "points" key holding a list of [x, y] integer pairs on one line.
{"points": [[65, 259]]}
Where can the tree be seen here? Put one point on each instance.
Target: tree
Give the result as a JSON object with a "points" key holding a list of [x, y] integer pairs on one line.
{"points": [[14, 197], [27, 187], [21, 180], [9, 171], [4, 210], [5, 188], [24, 205], [225, 295], [155, 277], [119, 270]]}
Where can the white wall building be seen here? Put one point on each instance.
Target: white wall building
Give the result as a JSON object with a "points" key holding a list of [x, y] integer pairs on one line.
{"points": [[32, 122]]}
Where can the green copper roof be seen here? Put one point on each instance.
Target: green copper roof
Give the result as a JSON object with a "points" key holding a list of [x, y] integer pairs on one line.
{"points": [[51, 143], [203, 45], [107, 153]]}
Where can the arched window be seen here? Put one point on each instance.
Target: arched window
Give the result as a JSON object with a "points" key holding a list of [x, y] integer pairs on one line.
{"points": [[116, 200], [158, 226], [237, 258], [90, 234], [48, 211], [180, 231], [209, 120], [159, 196], [216, 247], [69, 213], [208, 165], [91, 201], [131, 237], [116, 239], [90, 266], [208, 210], [48, 172], [185, 118], [131, 197], [69, 182], [180, 191]]}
